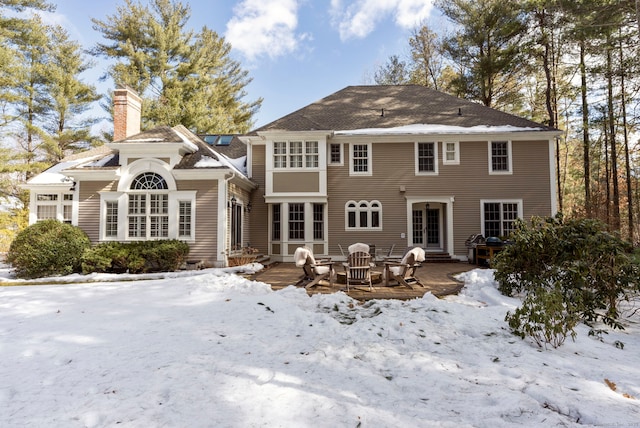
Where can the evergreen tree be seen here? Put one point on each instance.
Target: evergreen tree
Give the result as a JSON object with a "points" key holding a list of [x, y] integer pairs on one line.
{"points": [[487, 48], [182, 76], [394, 72], [69, 98]]}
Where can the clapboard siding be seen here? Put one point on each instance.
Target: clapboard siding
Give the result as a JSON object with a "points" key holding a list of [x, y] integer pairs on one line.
{"points": [[89, 206], [205, 246]]}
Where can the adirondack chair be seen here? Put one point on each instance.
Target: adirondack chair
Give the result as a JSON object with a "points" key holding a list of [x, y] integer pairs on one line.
{"points": [[314, 270], [404, 272], [358, 269]]}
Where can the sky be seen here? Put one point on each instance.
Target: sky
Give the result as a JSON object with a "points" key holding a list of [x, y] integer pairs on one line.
{"points": [[296, 51], [211, 348]]}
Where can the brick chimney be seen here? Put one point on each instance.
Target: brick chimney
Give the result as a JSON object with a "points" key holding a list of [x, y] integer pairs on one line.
{"points": [[126, 112]]}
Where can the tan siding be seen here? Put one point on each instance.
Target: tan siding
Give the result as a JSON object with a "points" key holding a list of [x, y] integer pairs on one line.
{"points": [[89, 206], [205, 245], [394, 166], [259, 218], [296, 182], [468, 182]]}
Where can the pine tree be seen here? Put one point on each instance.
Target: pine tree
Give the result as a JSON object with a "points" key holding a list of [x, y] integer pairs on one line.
{"points": [[394, 72], [182, 76], [487, 48]]}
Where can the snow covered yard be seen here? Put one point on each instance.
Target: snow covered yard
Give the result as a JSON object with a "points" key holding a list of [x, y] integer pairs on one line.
{"points": [[212, 349]]}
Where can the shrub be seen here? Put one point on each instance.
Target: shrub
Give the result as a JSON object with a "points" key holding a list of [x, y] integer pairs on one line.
{"points": [[136, 257], [48, 248], [576, 261]]}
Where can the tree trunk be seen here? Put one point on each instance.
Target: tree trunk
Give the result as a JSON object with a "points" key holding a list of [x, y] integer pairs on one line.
{"points": [[586, 162], [626, 145], [612, 138]]}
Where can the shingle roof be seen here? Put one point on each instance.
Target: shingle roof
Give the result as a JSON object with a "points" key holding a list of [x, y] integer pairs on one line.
{"points": [[389, 106]]}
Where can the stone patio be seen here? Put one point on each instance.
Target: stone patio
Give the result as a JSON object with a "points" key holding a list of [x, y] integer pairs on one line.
{"points": [[437, 278]]}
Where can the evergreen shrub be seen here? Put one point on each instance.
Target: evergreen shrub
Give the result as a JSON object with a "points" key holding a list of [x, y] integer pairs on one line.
{"points": [[136, 257], [568, 271], [48, 248]]}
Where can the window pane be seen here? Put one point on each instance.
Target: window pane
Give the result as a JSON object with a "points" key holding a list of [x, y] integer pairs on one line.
{"points": [[279, 154], [276, 226], [363, 219], [499, 156], [311, 154], [296, 221], [509, 215], [111, 223], [375, 218], [184, 219], [351, 219], [318, 221], [335, 153], [451, 151], [149, 181], [295, 154], [46, 212], [426, 157], [360, 158], [66, 213], [491, 219]]}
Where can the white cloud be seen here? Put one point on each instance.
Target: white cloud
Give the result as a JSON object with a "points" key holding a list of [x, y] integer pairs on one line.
{"points": [[360, 17], [264, 27]]}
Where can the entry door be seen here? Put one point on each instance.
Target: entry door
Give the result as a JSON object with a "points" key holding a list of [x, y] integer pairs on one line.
{"points": [[432, 228]]}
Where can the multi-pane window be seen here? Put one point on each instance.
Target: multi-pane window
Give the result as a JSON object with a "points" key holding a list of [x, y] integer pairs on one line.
{"points": [[418, 227], [318, 221], [360, 159], [500, 217], [311, 154], [67, 208], [111, 220], [295, 154], [54, 206], [296, 221], [184, 219], [500, 160], [276, 222], [279, 154], [236, 226], [451, 153], [335, 153], [363, 215], [148, 208], [426, 158]]}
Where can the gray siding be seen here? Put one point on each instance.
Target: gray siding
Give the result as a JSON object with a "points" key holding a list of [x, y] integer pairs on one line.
{"points": [[259, 218]]}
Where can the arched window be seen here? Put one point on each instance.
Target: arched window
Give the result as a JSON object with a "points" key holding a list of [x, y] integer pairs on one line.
{"points": [[148, 207], [363, 215], [149, 181]]}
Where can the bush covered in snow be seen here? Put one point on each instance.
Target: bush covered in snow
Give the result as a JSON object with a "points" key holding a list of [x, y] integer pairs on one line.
{"points": [[48, 248], [136, 257], [569, 271]]}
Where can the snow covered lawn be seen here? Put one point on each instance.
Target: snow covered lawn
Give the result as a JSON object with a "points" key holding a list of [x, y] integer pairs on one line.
{"points": [[212, 349]]}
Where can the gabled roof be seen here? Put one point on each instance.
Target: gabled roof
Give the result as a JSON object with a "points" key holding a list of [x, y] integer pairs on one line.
{"points": [[391, 106]]}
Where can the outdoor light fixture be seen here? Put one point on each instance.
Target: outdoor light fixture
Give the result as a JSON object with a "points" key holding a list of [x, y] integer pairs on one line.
{"points": [[232, 202], [248, 207]]}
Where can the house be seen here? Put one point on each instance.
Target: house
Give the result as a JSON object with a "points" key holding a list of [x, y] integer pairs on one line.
{"points": [[396, 165], [164, 183], [384, 165]]}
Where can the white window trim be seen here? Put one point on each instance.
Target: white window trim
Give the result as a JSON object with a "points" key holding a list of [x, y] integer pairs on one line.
{"points": [[358, 210], [59, 205], [304, 155], [341, 163], [175, 197], [519, 202], [456, 159], [369, 171], [509, 158], [435, 158]]}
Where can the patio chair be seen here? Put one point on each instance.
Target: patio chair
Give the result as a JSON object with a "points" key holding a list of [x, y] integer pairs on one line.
{"points": [[314, 270], [358, 269], [404, 272]]}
